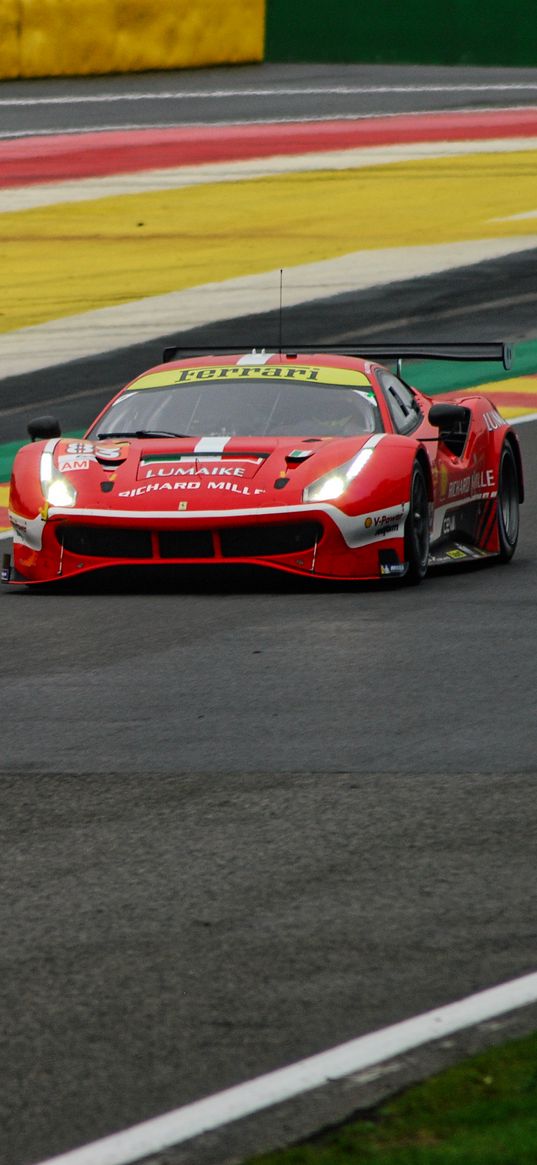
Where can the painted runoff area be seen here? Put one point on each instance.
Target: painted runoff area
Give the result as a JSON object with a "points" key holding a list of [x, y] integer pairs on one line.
{"points": [[215, 1112]]}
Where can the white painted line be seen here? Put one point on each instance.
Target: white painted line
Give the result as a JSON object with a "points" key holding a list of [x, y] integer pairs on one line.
{"points": [[298, 120], [522, 420], [275, 91], [14, 199], [214, 1112], [86, 335], [516, 217]]}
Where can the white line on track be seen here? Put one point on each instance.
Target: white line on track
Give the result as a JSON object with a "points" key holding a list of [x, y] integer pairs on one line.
{"points": [[294, 91], [60, 130], [101, 330], [214, 1112], [20, 198], [523, 420]]}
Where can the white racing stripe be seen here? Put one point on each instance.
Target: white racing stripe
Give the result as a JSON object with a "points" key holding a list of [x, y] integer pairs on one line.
{"points": [[211, 444], [214, 1112]]}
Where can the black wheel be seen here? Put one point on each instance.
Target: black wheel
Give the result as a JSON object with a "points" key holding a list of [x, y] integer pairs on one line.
{"points": [[417, 528], [508, 503]]}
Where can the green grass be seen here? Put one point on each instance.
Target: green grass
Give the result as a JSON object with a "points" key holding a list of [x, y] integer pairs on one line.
{"points": [[8, 451], [482, 1112], [436, 376]]}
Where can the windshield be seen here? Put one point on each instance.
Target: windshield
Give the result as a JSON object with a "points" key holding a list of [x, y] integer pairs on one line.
{"points": [[243, 407]]}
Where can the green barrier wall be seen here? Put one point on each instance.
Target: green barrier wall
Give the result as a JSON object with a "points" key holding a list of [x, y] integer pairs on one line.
{"points": [[49, 38], [449, 32]]}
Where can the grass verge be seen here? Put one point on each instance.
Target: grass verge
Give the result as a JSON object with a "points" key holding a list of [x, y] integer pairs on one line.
{"points": [[481, 1112]]}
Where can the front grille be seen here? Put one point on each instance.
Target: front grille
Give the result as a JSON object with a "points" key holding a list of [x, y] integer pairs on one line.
{"points": [[262, 541], [186, 544], [105, 541]]}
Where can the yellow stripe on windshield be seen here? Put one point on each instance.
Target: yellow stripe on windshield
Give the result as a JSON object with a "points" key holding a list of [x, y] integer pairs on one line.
{"points": [[346, 377]]}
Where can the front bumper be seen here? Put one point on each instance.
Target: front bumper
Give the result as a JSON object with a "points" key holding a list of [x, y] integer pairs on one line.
{"points": [[305, 540]]}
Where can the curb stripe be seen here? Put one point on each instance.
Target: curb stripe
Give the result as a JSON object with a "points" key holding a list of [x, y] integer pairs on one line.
{"points": [[52, 158], [215, 1112]]}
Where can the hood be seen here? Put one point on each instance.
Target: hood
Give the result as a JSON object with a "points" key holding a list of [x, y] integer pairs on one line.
{"points": [[160, 474]]}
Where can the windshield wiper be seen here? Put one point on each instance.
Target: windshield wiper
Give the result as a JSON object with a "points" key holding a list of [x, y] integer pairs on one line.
{"points": [[141, 433]]}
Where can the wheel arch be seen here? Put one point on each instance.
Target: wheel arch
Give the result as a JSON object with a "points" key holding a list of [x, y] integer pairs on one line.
{"points": [[512, 440], [423, 459]]}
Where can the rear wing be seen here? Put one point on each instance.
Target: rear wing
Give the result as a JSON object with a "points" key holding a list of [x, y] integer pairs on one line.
{"points": [[493, 350]]}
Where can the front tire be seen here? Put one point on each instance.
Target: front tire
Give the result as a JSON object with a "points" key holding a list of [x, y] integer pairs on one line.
{"points": [[417, 534], [508, 503]]}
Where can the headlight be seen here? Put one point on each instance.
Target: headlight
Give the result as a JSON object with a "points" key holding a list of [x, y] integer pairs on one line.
{"points": [[332, 485], [57, 490], [60, 492]]}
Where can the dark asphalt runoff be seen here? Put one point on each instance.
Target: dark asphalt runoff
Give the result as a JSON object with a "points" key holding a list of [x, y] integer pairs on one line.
{"points": [[245, 819]]}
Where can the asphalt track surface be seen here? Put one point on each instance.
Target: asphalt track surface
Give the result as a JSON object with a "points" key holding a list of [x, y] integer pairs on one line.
{"points": [[255, 93], [245, 820]]}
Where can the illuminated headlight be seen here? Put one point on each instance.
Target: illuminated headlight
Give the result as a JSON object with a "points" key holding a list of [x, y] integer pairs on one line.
{"points": [[57, 490], [332, 485], [60, 492]]}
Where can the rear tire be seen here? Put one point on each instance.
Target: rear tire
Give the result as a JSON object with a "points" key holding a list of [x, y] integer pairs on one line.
{"points": [[508, 503], [417, 535]]}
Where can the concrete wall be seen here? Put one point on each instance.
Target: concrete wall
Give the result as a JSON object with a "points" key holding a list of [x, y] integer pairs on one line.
{"points": [[480, 32], [47, 38]]}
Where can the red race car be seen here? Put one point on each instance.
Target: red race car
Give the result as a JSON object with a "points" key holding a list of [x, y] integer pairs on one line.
{"points": [[324, 464]]}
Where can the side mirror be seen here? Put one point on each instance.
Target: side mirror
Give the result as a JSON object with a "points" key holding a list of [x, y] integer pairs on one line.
{"points": [[42, 428], [447, 417]]}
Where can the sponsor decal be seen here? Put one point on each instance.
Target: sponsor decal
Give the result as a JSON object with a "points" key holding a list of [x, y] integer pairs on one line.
{"points": [[70, 464], [111, 452], [493, 420], [28, 531], [457, 553], [182, 506], [233, 487], [392, 568], [80, 448], [168, 486], [19, 526], [139, 490], [460, 488], [390, 565], [195, 471], [247, 372], [305, 373], [298, 454], [471, 484], [484, 479], [383, 523], [448, 525]]}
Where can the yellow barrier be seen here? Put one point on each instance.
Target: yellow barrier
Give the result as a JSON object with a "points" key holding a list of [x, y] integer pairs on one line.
{"points": [[9, 38], [50, 38]]}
